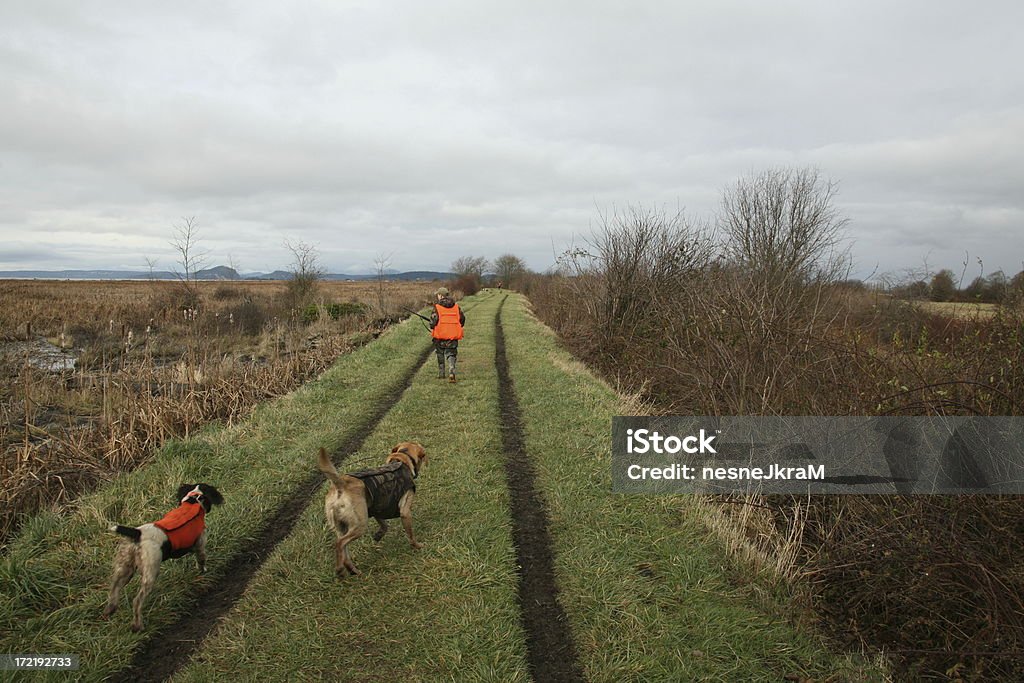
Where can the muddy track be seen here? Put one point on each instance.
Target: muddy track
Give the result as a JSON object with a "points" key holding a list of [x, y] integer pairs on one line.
{"points": [[551, 654], [170, 648]]}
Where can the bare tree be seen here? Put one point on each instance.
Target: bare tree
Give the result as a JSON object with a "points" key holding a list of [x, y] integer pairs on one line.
{"points": [[306, 273], [382, 262], [233, 264], [190, 257], [782, 227], [509, 268], [151, 265], [470, 265]]}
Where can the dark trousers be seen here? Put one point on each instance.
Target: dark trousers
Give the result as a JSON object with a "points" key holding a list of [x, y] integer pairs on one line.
{"points": [[446, 355]]}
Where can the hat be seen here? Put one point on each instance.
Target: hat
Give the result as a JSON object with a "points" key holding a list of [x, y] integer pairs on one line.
{"points": [[442, 291]]}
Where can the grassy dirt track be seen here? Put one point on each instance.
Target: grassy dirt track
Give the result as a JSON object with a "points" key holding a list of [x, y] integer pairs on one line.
{"points": [[647, 592], [446, 612]]}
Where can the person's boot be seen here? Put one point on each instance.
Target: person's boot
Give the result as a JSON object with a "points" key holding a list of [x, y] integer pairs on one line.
{"points": [[451, 378]]}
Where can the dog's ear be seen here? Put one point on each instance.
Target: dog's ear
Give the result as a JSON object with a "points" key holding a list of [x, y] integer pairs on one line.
{"points": [[183, 491], [416, 450], [212, 493], [410, 448]]}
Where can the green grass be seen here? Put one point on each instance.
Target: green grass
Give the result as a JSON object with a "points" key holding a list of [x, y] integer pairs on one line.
{"points": [[646, 587], [446, 612], [53, 577]]}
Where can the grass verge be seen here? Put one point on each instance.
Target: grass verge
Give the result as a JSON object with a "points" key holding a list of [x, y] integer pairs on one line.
{"points": [[446, 612], [649, 592], [54, 574]]}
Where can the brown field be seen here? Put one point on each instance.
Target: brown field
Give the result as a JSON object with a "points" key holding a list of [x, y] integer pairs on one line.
{"points": [[96, 374], [960, 309]]}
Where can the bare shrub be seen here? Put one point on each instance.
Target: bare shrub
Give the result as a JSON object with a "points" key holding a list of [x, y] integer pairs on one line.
{"points": [[249, 317], [634, 259], [306, 275], [765, 323], [227, 293], [729, 329], [934, 580], [783, 228], [468, 284]]}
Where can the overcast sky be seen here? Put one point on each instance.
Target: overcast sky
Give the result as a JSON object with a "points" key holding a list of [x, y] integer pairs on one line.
{"points": [[424, 131]]}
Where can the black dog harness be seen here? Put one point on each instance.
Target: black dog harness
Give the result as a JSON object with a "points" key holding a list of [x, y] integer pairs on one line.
{"points": [[385, 487]]}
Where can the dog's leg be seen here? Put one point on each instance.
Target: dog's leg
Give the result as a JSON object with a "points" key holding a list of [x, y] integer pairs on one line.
{"points": [[149, 558], [352, 531], [405, 510], [339, 557], [343, 560], [382, 530], [200, 550], [124, 570], [348, 561]]}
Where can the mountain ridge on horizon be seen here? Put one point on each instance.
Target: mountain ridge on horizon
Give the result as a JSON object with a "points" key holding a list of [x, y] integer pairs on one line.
{"points": [[225, 273]]}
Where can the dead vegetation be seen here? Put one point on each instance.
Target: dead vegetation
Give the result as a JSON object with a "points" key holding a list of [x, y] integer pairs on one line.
{"points": [[752, 316], [98, 374]]}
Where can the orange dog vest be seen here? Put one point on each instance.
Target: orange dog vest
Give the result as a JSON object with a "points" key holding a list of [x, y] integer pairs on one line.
{"points": [[183, 525]]}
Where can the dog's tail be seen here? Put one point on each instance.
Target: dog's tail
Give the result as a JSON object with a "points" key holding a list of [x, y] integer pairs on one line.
{"points": [[327, 467], [129, 531]]}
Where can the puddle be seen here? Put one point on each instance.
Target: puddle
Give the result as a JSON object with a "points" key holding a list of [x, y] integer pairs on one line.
{"points": [[40, 354]]}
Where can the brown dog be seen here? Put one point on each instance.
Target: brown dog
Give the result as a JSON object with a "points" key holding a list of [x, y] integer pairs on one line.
{"points": [[382, 493]]}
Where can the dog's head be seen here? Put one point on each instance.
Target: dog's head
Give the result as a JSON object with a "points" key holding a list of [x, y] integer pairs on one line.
{"points": [[410, 453], [204, 494]]}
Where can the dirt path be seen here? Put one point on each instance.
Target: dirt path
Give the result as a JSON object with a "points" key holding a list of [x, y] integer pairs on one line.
{"points": [[551, 653], [169, 649]]}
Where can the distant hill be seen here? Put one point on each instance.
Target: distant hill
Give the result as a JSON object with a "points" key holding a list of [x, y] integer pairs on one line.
{"points": [[411, 275], [218, 273], [215, 273]]}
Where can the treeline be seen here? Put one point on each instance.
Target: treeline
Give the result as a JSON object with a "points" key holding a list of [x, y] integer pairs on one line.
{"points": [[995, 288], [474, 272]]}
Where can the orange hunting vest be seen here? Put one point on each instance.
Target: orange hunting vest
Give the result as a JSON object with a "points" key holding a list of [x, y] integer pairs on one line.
{"points": [[183, 525], [448, 325]]}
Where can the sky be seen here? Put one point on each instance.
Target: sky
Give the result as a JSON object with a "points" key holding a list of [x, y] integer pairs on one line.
{"points": [[408, 133]]}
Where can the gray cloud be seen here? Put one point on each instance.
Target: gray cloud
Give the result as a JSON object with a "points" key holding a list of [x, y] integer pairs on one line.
{"points": [[432, 131]]}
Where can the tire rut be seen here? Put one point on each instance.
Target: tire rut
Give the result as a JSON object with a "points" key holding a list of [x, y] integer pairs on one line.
{"points": [[171, 647], [551, 653]]}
